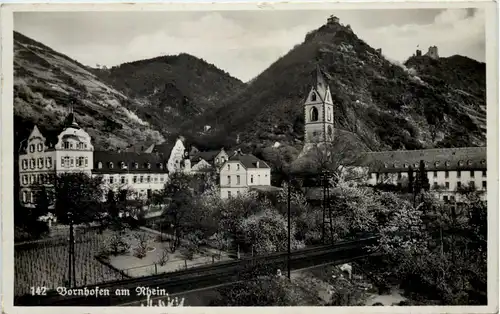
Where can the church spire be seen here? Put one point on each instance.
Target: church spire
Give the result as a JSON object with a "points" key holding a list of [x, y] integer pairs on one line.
{"points": [[320, 83], [70, 119]]}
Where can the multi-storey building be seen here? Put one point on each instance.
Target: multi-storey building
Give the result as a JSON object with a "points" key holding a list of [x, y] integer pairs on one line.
{"points": [[242, 172], [448, 169], [41, 159], [208, 160]]}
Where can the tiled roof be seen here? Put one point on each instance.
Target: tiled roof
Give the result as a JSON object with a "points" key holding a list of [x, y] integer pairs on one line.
{"points": [[466, 158], [208, 156], [157, 162], [249, 161], [164, 148]]}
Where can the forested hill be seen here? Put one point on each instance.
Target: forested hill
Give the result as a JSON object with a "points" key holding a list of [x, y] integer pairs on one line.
{"points": [[425, 103]]}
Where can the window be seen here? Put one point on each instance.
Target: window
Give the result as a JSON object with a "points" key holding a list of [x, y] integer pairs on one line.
{"points": [[445, 198], [148, 165], [484, 185], [314, 114], [329, 117], [447, 163], [459, 185], [472, 184], [155, 179], [86, 161], [160, 165], [405, 165], [460, 163], [435, 174], [229, 180], [65, 162], [377, 175], [313, 96], [122, 180], [32, 163], [72, 161], [111, 165], [136, 165], [122, 165], [161, 179], [40, 147], [141, 179], [446, 174], [148, 179], [99, 165], [399, 175], [435, 185], [228, 167], [238, 180], [48, 162], [251, 178], [80, 161], [111, 180], [25, 164], [66, 145], [32, 179], [228, 193], [25, 179], [238, 167], [459, 174], [436, 163], [25, 197], [447, 185], [484, 173], [134, 179], [469, 162], [472, 173], [32, 148]]}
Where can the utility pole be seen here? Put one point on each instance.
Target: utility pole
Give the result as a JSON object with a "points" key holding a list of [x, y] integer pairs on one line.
{"points": [[289, 228]]}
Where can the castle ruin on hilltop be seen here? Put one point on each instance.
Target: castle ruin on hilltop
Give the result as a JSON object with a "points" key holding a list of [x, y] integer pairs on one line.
{"points": [[432, 52]]}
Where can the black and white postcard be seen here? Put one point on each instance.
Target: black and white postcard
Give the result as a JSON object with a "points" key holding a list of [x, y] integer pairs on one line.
{"points": [[206, 156]]}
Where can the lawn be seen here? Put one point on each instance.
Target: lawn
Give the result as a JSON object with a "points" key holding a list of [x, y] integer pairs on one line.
{"points": [[149, 264]]}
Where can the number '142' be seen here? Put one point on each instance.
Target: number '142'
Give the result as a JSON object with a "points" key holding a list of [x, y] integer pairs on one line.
{"points": [[38, 290]]}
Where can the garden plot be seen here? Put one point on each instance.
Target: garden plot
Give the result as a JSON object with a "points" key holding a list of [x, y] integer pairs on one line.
{"points": [[155, 256]]}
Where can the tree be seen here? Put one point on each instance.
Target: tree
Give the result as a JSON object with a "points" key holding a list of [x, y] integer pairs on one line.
{"points": [[422, 183], [411, 180], [280, 158], [177, 196], [267, 232], [78, 198]]}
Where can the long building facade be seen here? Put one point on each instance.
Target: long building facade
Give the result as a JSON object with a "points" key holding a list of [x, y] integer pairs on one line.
{"points": [[41, 159]]}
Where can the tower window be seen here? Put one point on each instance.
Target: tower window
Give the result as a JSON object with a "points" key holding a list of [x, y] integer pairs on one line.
{"points": [[313, 96], [314, 114]]}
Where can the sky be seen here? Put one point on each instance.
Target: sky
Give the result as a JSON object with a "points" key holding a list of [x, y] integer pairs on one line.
{"points": [[245, 43]]}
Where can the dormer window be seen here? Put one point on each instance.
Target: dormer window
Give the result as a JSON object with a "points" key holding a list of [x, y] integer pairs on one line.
{"points": [[160, 165], [136, 165], [436, 163], [395, 165], [99, 165], [32, 148], [40, 147], [148, 165], [483, 162], [122, 165], [447, 163], [66, 145], [313, 96], [111, 165], [469, 162], [405, 165], [385, 165], [460, 163]]}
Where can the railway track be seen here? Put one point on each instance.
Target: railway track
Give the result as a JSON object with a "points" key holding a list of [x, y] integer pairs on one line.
{"points": [[204, 276]]}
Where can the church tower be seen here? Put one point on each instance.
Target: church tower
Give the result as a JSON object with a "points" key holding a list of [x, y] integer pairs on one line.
{"points": [[318, 111]]}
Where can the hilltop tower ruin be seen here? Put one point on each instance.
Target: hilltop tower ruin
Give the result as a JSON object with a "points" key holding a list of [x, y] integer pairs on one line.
{"points": [[333, 20], [433, 52]]}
